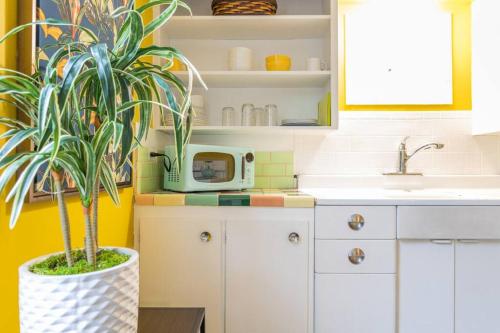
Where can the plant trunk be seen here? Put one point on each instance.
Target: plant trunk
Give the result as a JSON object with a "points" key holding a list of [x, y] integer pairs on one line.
{"points": [[63, 216], [95, 212], [89, 237]]}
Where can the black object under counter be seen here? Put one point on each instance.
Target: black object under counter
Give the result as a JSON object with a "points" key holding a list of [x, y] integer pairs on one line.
{"points": [[171, 320]]}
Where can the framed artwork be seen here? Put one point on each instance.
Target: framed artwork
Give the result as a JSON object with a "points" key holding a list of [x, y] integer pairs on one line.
{"points": [[93, 14]]}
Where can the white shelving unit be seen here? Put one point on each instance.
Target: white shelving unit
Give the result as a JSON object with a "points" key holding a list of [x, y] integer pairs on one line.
{"points": [[262, 79], [301, 29], [230, 130], [249, 27]]}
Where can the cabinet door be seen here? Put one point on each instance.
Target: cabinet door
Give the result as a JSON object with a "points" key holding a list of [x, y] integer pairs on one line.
{"points": [[267, 277], [485, 66], [355, 303], [181, 267], [426, 286], [477, 286]]}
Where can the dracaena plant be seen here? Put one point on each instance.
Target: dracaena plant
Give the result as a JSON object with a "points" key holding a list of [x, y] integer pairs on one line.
{"points": [[75, 121]]}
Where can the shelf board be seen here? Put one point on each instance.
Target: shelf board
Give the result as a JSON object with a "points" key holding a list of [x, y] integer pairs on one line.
{"points": [[249, 27], [220, 130], [262, 79]]}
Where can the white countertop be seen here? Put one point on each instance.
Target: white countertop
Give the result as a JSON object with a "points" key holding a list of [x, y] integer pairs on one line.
{"points": [[432, 191]]}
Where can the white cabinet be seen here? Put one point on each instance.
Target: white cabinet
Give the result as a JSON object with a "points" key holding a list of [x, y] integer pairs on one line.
{"points": [[355, 265], [485, 66], [477, 277], [426, 286], [449, 286], [301, 29], [252, 274], [181, 266], [267, 276], [355, 303], [410, 64]]}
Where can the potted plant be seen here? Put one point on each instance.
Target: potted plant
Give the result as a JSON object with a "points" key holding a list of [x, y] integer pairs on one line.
{"points": [[77, 120]]}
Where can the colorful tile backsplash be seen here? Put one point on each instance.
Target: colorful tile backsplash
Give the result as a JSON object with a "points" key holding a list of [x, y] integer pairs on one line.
{"points": [[273, 170], [149, 172]]}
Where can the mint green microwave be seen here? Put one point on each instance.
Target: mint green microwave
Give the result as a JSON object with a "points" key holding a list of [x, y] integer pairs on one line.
{"points": [[210, 168]]}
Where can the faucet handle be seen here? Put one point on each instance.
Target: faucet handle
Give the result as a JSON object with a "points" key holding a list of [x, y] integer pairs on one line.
{"points": [[403, 142]]}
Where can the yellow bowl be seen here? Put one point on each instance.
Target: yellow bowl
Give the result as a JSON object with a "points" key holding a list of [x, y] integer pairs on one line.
{"points": [[278, 62]]}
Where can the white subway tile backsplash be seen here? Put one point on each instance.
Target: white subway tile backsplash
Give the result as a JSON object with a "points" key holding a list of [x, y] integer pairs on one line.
{"points": [[375, 143], [363, 163], [490, 164], [314, 163], [472, 163], [367, 144], [452, 126]]}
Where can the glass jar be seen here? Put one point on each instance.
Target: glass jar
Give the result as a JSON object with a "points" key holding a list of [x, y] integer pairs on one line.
{"points": [[228, 116], [271, 114], [247, 115]]}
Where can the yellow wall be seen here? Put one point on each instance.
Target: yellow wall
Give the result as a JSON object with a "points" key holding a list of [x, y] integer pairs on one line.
{"points": [[37, 232], [462, 99]]}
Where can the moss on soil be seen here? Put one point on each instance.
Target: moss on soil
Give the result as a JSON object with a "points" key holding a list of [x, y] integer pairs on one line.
{"points": [[56, 264]]}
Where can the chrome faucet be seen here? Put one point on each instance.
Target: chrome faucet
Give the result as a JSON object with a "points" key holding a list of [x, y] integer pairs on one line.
{"points": [[404, 157]]}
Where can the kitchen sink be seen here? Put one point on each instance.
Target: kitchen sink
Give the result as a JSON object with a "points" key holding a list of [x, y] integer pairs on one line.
{"points": [[432, 190]]}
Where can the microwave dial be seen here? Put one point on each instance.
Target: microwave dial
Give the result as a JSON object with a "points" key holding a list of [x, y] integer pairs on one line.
{"points": [[249, 157]]}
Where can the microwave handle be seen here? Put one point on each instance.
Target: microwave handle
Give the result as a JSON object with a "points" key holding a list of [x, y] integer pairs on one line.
{"points": [[242, 167]]}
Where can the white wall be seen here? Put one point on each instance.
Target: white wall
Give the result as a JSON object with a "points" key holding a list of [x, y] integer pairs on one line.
{"points": [[367, 144]]}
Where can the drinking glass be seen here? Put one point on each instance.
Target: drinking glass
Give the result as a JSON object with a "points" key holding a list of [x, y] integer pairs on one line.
{"points": [[228, 116], [247, 115], [271, 114], [260, 117]]}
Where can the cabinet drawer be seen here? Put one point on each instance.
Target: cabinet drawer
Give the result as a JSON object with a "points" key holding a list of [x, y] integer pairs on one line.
{"points": [[355, 256], [449, 222], [355, 222]]}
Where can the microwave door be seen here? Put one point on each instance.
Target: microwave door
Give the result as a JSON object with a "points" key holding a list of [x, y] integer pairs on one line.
{"points": [[213, 168]]}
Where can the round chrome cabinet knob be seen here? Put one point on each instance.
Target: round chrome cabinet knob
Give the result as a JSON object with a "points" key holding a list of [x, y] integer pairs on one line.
{"points": [[356, 222], [356, 256], [294, 238], [205, 236]]}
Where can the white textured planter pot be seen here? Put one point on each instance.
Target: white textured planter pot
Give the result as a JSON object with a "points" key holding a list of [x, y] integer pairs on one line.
{"points": [[100, 302]]}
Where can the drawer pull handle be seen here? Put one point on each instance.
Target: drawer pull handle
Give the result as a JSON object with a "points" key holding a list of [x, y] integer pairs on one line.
{"points": [[356, 256], [294, 238], [356, 222], [469, 241], [205, 236], [442, 241]]}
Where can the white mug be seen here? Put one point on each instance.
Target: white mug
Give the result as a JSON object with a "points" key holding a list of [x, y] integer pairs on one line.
{"points": [[315, 64], [240, 59]]}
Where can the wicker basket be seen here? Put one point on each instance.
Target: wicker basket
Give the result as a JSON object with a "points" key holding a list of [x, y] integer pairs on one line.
{"points": [[244, 7]]}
